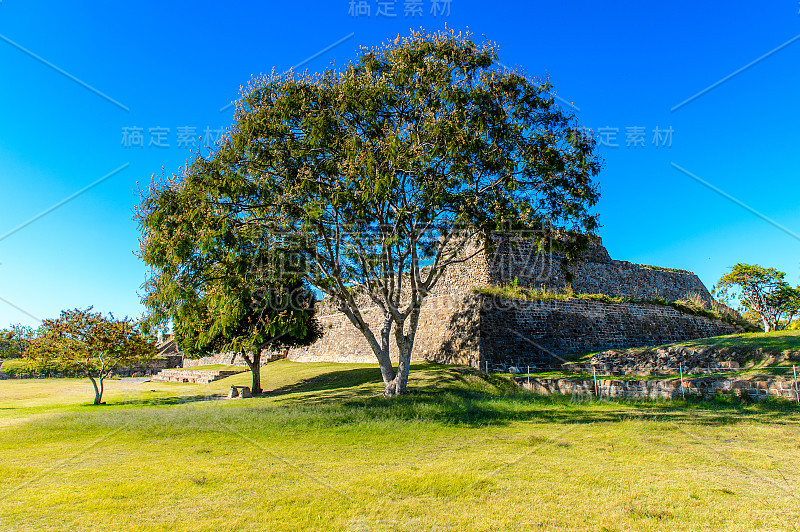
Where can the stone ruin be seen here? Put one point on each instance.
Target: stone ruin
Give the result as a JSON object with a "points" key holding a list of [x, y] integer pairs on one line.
{"points": [[459, 326]]}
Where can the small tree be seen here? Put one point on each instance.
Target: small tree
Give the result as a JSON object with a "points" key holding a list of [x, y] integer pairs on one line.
{"points": [[762, 292], [90, 343], [14, 341], [390, 169], [788, 299]]}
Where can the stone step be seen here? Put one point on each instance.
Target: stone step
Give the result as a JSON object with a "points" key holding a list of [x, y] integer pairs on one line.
{"points": [[193, 376]]}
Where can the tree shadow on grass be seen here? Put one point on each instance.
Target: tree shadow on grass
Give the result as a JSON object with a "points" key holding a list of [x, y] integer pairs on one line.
{"points": [[454, 395], [166, 401], [464, 396], [334, 380]]}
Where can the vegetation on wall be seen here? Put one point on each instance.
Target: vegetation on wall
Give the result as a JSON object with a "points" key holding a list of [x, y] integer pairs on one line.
{"points": [[693, 305]]}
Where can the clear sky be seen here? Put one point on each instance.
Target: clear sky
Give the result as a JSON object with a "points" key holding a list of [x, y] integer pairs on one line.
{"points": [[75, 75]]}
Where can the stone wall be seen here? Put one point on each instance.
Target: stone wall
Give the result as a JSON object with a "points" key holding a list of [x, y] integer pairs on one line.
{"points": [[193, 376], [595, 273], [231, 359], [534, 331], [620, 278], [459, 327], [472, 329], [448, 333], [150, 367], [662, 389], [448, 329]]}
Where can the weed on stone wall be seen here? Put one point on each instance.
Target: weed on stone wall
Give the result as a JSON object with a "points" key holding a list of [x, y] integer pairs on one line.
{"points": [[693, 305]]}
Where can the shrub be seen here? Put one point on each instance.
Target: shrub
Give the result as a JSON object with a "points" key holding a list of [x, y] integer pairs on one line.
{"points": [[20, 367], [26, 367]]}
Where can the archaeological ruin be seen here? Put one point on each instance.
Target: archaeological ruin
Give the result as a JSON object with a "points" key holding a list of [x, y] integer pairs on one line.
{"points": [[460, 325]]}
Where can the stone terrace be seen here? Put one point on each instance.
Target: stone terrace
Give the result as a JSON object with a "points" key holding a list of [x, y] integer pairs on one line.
{"points": [[460, 327], [193, 376]]}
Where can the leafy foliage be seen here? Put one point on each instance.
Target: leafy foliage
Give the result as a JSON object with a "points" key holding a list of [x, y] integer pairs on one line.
{"points": [[218, 281], [387, 173], [89, 343], [14, 341], [762, 292]]}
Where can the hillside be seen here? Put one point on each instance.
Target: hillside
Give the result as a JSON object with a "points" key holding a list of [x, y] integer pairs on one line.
{"points": [[772, 353]]}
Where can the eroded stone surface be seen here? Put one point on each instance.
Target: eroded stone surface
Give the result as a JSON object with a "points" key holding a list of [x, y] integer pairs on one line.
{"points": [[460, 327], [662, 389]]}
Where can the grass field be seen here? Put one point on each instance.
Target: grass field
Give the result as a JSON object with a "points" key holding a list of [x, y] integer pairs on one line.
{"points": [[323, 451]]}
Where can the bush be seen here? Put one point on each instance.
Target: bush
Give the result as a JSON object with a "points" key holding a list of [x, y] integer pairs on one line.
{"points": [[19, 367], [26, 367], [14, 341]]}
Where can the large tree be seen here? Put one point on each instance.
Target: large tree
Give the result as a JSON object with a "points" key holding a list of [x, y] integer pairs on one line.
{"points": [[90, 343], [389, 172], [761, 292], [215, 282]]}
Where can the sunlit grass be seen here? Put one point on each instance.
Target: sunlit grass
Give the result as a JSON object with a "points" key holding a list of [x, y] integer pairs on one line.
{"points": [[323, 451], [773, 353]]}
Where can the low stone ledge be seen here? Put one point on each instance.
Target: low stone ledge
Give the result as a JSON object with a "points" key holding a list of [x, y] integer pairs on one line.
{"points": [[660, 389], [193, 376]]}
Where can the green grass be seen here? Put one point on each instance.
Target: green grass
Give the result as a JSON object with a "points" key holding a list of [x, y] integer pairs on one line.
{"points": [[323, 451], [769, 354]]}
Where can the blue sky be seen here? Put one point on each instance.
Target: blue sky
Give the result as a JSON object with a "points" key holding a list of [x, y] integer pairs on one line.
{"points": [[172, 65]]}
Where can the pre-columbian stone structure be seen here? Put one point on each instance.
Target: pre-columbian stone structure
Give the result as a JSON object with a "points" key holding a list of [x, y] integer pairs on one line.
{"points": [[459, 326]]}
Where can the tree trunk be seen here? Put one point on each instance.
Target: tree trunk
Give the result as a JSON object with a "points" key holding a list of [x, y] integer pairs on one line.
{"points": [[255, 368], [394, 382], [385, 361], [98, 392], [399, 384], [405, 345]]}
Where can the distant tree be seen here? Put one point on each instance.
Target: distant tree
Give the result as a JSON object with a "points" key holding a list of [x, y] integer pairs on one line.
{"points": [[762, 292], [389, 170], [788, 298], [91, 344], [14, 340], [224, 287]]}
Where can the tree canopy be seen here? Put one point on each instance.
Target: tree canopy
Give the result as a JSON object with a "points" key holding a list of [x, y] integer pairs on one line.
{"points": [[381, 176], [14, 340], [214, 281], [762, 292], [90, 343]]}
